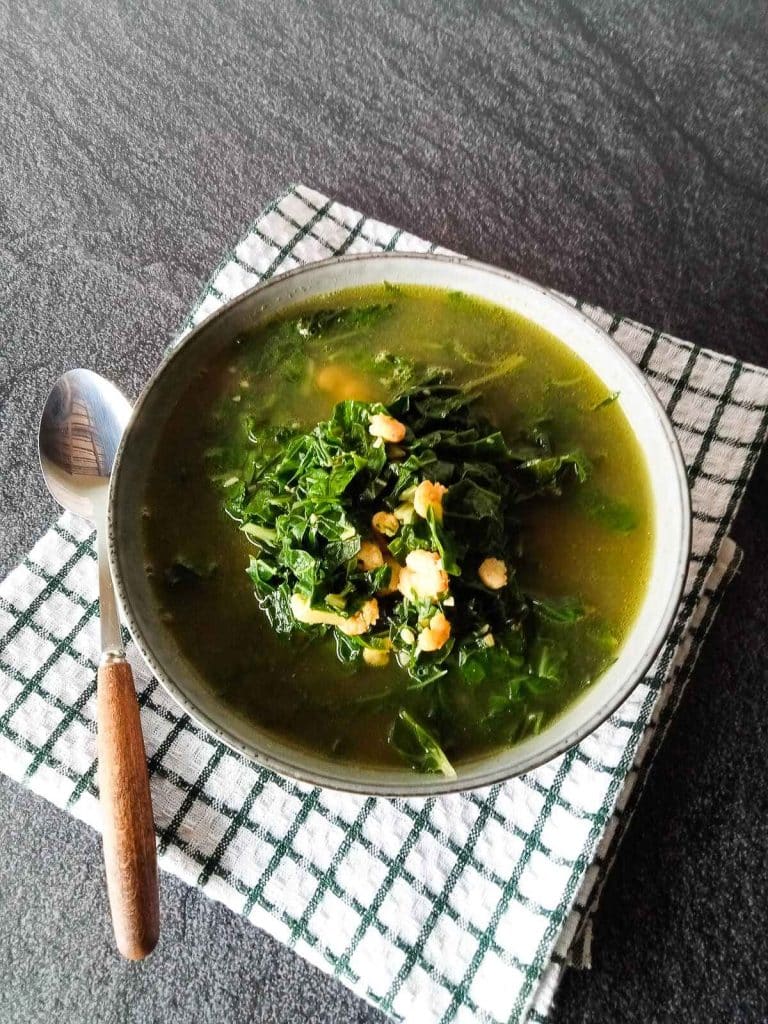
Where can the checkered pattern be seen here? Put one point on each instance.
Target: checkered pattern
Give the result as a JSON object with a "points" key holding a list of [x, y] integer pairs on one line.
{"points": [[456, 909]]}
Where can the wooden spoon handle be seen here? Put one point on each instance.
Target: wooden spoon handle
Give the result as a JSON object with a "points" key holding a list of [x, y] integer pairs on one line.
{"points": [[129, 835]]}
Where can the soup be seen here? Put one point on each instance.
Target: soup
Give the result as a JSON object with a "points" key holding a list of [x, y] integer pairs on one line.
{"points": [[399, 526]]}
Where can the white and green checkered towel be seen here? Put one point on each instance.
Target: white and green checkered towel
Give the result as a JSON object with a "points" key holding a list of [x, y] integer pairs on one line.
{"points": [[456, 909]]}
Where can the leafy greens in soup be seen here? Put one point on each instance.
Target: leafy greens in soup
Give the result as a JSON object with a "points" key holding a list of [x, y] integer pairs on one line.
{"points": [[433, 501]]}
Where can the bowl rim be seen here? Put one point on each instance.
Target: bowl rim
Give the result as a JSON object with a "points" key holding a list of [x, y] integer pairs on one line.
{"points": [[418, 785]]}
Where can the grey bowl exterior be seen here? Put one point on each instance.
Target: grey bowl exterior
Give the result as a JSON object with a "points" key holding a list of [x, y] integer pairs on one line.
{"points": [[179, 369]]}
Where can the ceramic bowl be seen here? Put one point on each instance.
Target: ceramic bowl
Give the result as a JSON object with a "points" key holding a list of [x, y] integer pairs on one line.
{"points": [[653, 430]]}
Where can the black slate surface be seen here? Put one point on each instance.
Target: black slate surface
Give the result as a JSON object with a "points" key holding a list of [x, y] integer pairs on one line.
{"points": [[614, 151]]}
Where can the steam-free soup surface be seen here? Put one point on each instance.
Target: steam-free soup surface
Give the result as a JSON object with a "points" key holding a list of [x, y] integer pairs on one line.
{"points": [[588, 546]]}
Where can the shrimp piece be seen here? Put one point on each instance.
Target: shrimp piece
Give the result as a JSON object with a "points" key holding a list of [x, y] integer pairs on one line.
{"points": [[342, 383], [435, 635], [385, 523], [369, 557], [493, 573], [387, 428], [423, 576], [362, 620], [395, 569], [429, 495]]}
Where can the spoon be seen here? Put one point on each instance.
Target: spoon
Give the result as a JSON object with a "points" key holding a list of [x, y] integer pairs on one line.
{"points": [[80, 429]]}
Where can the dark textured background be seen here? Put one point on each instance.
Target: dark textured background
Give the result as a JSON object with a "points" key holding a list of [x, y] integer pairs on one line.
{"points": [[614, 150]]}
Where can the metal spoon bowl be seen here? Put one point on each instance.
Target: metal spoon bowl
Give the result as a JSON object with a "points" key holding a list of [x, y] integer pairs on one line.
{"points": [[80, 430]]}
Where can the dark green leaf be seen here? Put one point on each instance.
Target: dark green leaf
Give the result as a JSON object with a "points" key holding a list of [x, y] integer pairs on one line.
{"points": [[612, 513], [418, 746], [330, 321], [564, 610], [185, 570]]}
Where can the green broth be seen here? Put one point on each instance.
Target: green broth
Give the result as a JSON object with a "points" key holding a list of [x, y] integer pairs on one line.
{"points": [[593, 543]]}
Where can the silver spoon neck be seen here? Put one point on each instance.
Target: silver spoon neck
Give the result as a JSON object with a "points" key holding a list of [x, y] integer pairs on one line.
{"points": [[111, 639]]}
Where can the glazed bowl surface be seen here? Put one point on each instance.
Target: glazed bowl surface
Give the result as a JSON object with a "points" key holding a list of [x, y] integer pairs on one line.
{"points": [[655, 435]]}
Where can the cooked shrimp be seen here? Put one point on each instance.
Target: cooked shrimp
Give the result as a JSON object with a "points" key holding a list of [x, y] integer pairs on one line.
{"points": [[423, 576], [385, 523], [341, 383], [395, 569], [429, 495], [369, 557], [387, 428], [362, 620], [435, 635], [493, 573]]}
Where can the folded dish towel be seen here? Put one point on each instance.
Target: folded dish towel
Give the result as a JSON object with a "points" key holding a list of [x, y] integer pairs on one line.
{"points": [[457, 909]]}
